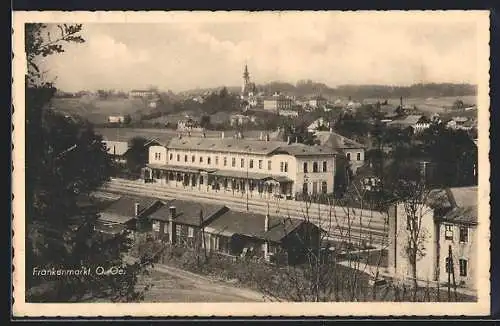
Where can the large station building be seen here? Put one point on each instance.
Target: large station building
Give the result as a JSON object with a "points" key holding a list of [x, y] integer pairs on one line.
{"points": [[261, 167]]}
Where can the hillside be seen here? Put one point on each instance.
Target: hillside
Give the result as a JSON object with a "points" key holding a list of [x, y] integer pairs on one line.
{"points": [[97, 110]]}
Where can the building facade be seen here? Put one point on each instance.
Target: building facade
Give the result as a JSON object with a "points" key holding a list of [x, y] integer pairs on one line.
{"points": [[277, 102], [260, 167], [449, 234]]}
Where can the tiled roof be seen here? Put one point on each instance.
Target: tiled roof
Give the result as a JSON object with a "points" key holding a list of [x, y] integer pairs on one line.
{"points": [[229, 145], [252, 225], [125, 206], [188, 212], [409, 120], [459, 203], [334, 140], [296, 149]]}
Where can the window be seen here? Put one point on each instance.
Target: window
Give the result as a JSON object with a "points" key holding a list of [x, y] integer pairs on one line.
{"points": [[178, 157], [448, 232], [282, 166], [242, 163], [324, 166], [305, 167], [358, 156], [260, 164], [201, 179], [304, 188], [251, 164], [315, 167], [348, 156], [193, 158], [449, 263], [185, 158], [463, 267], [464, 234], [190, 232], [286, 166], [315, 188], [171, 156], [201, 159], [157, 156], [233, 162], [225, 161], [209, 160], [216, 160], [324, 187], [269, 165]]}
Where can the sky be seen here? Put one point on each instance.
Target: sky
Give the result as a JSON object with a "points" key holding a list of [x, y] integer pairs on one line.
{"points": [[205, 50]]}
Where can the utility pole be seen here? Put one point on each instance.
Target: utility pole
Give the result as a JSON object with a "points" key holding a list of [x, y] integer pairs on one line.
{"points": [[449, 267], [248, 184]]}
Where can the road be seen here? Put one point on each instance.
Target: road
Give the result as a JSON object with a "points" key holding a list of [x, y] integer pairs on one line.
{"points": [[172, 284]]}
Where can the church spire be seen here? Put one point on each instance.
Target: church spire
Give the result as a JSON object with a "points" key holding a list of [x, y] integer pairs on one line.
{"points": [[246, 80]]}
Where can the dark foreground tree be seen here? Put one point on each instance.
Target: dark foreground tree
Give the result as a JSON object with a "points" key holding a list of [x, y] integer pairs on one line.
{"points": [[65, 159]]}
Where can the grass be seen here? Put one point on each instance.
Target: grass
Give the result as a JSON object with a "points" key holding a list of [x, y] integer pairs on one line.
{"points": [[97, 110]]}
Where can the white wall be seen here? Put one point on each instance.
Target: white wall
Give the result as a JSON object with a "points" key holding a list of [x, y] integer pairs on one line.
{"points": [[162, 151], [312, 177]]}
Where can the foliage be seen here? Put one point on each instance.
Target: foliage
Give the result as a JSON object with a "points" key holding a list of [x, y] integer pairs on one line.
{"points": [[297, 132], [137, 154], [65, 159]]}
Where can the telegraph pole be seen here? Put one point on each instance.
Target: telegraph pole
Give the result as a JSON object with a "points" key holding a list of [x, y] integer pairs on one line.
{"points": [[248, 184]]}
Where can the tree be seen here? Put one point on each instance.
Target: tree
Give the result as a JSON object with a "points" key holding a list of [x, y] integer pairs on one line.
{"points": [[127, 119], [299, 133], [137, 154], [205, 121], [65, 159]]}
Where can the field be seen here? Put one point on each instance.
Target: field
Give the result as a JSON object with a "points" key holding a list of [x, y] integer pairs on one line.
{"points": [[431, 104], [97, 110]]}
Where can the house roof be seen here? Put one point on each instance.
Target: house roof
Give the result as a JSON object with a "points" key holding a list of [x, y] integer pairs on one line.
{"points": [[297, 149], [188, 212], [460, 202], [115, 218], [408, 120], [125, 206], [230, 145], [252, 225], [334, 140], [116, 147]]}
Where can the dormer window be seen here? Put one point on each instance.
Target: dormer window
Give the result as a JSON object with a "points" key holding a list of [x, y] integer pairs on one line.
{"points": [[448, 232]]}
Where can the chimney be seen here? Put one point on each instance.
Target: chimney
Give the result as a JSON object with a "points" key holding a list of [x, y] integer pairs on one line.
{"points": [[136, 209], [266, 223], [222, 135], [296, 139], [401, 101], [331, 129], [267, 137], [288, 140], [261, 137], [204, 135]]}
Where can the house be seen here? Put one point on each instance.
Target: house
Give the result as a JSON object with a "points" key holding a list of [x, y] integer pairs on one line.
{"points": [[461, 123], [353, 151], [263, 167], [189, 124], [117, 150], [277, 102], [126, 213], [239, 120], [180, 222], [317, 102], [449, 238], [318, 124], [289, 113], [416, 122], [255, 235], [140, 93], [116, 119]]}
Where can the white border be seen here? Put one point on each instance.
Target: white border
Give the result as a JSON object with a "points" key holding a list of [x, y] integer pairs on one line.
{"points": [[21, 308]]}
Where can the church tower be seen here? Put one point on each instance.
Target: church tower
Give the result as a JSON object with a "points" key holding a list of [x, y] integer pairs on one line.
{"points": [[246, 81]]}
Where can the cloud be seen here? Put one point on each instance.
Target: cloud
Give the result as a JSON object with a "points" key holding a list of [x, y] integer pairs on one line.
{"points": [[331, 48]]}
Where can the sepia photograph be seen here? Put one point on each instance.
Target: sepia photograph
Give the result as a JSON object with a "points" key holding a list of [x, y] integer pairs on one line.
{"points": [[172, 163]]}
